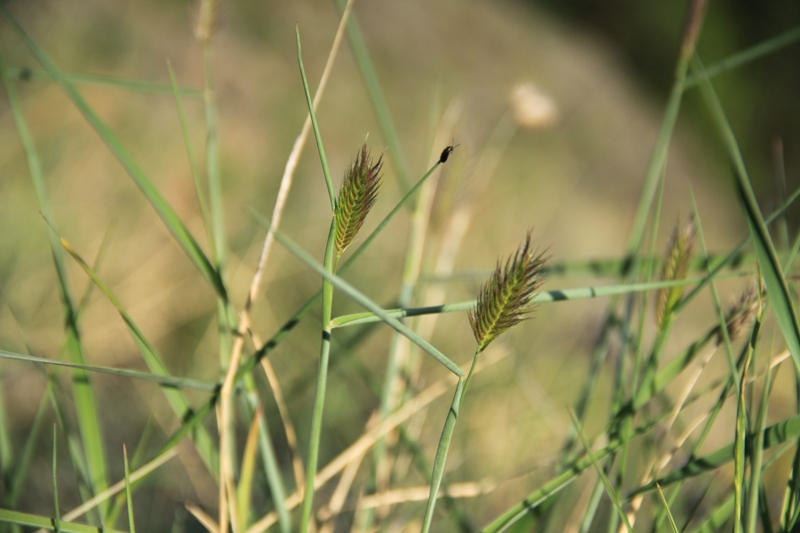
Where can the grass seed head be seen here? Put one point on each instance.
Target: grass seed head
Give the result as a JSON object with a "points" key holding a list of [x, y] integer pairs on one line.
{"points": [[676, 266], [356, 197], [504, 301]]}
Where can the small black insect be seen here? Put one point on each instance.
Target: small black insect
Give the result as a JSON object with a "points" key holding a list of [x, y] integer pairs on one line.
{"points": [[446, 153]]}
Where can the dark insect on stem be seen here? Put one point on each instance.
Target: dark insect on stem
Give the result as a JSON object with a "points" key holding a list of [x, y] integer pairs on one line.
{"points": [[446, 153]]}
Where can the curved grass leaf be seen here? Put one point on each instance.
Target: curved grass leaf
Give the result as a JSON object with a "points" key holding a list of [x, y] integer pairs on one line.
{"points": [[170, 218]]}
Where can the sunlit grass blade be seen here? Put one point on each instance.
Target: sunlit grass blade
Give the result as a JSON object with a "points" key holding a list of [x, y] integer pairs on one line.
{"points": [[777, 288], [739, 443], [365, 302], [672, 523], [85, 405], [244, 491], [170, 218]]}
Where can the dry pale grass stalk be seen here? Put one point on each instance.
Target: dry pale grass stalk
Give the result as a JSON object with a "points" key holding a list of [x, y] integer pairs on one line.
{"points": [[117, 487], [357, 450], [339, 497], [245, 316], [205, 520]]}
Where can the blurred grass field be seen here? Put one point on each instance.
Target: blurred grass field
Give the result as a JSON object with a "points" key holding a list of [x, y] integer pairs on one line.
{"points": [[451, 73]]}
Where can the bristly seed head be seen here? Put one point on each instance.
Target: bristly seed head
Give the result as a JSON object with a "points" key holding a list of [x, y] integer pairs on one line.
{"points": [[356, 197], [676, 266], [504, 301]]}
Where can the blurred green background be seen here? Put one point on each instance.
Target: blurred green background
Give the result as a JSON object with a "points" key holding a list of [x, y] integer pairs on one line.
{"points": [[448, 69]]}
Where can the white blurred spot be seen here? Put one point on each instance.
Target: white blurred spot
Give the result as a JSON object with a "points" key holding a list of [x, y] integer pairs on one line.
{"points": [[532, 107]]}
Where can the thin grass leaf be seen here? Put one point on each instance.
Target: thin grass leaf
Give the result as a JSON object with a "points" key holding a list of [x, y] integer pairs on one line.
{"points": [[365, 302], [612, 494], [739, 449], [774, 435], [168, 382], [322, 378], [573, 470], [56, 508], [322, 159], [187, 142], [180, 405], [244, 491], [441, 453], [128, 491], [672, 523], [756, 496], [171, 220], [553, 296], [777, 289], [746, 56], [28, 74], [86, 408]]}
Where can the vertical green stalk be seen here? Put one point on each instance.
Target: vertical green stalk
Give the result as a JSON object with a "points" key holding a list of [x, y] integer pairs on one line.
{"points": [[322, 378]]}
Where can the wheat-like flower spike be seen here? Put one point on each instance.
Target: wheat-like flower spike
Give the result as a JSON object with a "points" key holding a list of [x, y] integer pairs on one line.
{"points": [[356, 197], [676, 265], [741, 314], [504, 301]]}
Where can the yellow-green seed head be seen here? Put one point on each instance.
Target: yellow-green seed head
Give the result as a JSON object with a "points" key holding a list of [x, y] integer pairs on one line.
{"points": [[356, 197], [504, 301]]}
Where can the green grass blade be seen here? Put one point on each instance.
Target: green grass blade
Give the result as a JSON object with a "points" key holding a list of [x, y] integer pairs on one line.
{"points": [[218, 241], [203, 441], [563, 295], [672, 523], [31, 74], [57, 519], [85, 405], [774, 435], [739, 442], [187, 142], [322, 378], [379, 104], [757, 458], [612, 494], [42, 522], [365, 302], [322, 159], [558, 483], [441, 453], [128, 491], [777, 289], [170, 218], [168, 382], [746, 56]]}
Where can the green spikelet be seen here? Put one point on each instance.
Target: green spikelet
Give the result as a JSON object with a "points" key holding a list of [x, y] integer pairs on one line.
{"points": [[356, 197], [676, 266], [504, 301]]}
